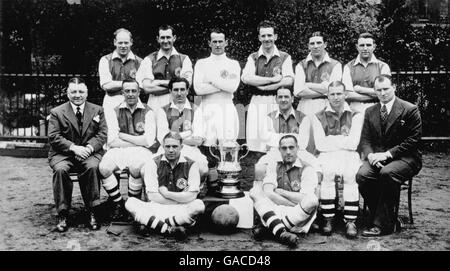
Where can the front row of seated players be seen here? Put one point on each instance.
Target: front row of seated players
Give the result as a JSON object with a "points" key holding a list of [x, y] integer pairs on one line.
{"points": [[172, 184]]}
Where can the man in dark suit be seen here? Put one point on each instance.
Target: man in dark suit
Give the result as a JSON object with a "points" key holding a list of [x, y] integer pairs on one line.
{"points": [[77, 131], [389, 141]]}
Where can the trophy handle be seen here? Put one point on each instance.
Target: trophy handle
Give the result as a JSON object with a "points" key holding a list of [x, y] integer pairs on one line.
{"points": [[215, 156], [248, 150]]}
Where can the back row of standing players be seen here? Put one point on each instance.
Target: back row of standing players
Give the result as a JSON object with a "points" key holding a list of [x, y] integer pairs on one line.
{"points": [[217, 77]]}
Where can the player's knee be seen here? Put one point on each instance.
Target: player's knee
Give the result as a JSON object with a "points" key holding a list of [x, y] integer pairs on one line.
{"points": [[310, 203], [131, 204], [256, 192], [197, 207], [135, 172], [203, 168], [260, 171], [105, 169], [349, 178]]}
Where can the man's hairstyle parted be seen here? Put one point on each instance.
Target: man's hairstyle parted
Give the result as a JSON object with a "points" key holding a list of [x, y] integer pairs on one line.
{"points": [[123, 30], [166, 27], [172, 135], [336, 84], [319, 34], [286, 137], [177, 79], [217, 30], [290, 91], [267, 24], [380, 78], [76, 80], [130, 80], [365, 35]]}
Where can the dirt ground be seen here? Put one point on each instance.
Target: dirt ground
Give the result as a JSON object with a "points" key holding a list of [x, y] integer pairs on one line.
{"points": [[28, 218]]}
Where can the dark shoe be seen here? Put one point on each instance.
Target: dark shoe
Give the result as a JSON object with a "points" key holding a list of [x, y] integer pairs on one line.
{"points": [[62, 223], [143, 230], [372, 232], [259, 232], [289, 239], [178, 232], [118, 211], [314, 227], [328, 226], [351, 230], [93, 224]]}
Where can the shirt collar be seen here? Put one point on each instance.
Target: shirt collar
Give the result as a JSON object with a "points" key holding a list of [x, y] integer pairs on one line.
{"points": [[74, 107], [326, 58], [218, 57], [389, 105], [187, 105], [291, 113], [129, 56], [372, 60], [139, 105], [180, 160], [275, 51], [297, 162], [161, 54], [330, 109]]}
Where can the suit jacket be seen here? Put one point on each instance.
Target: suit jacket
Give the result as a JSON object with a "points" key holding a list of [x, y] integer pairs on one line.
{"points": [[63, 131], [401, 136]]}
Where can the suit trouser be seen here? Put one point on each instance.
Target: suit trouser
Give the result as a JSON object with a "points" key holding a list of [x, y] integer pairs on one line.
{"points": [[380, 189], [88, 180]]}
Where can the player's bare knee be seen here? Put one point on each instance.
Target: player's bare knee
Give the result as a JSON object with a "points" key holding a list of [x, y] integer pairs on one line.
{"points": [[105, 169], [135, 172], [309, 203], [256, 192], [260, 171], [203, 170], [196, 207]]}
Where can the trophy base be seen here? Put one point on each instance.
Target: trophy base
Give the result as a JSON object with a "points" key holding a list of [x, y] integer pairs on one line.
{"points": [[235, 195]]}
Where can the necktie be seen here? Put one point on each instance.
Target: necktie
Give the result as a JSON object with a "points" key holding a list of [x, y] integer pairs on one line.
{"points": [[384, 116], [79, 118]]}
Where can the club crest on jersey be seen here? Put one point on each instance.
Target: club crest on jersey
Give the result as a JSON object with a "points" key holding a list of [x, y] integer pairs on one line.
{"points": [[344, 130], [182, 184], [140, 127], [224, 74], [187, 125], [295, 185], [133, 73], [325, 77], [276, 71], [177, 72]]}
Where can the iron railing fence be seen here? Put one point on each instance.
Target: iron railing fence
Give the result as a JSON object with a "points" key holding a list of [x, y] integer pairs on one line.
{"points": [[26, 100]]}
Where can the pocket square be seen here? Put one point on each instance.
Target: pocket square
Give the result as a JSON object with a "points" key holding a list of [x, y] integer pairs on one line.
{"points": [[96, 118], [402, 122]]}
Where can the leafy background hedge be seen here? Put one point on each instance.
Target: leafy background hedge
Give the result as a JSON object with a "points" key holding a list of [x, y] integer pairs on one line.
{"points": [[55, 37]]}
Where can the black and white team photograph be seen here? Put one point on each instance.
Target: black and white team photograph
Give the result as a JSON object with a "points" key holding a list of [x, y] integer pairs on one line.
{"points": [[242, 126]]}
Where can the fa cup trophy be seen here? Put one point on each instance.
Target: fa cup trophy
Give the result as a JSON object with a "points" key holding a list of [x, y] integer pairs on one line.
{"points": [[229, 168]]}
